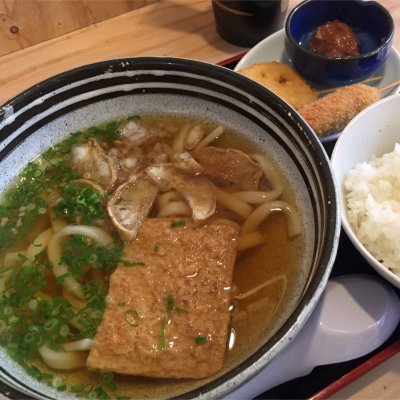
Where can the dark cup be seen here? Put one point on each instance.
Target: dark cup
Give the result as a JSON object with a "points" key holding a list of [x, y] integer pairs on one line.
{"points": [[246, 22]]}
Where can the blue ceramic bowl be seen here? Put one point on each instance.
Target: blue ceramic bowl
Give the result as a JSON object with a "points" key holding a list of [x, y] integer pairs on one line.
{"points": [[372, 24]]}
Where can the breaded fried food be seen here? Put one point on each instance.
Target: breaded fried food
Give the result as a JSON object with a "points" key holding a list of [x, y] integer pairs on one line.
{"points": [[331, 113], [283, 80]]}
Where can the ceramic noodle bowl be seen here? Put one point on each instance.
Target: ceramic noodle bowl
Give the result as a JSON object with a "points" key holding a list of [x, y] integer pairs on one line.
{"points": [[48, 112]]}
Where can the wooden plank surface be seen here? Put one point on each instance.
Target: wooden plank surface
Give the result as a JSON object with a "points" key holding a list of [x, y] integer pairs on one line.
{"points": [[169, 27], [24, 23], [381, 382], [181, 28]]}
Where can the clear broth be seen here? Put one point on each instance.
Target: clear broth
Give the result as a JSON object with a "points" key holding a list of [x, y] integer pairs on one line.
{"points": [[254, 319]]}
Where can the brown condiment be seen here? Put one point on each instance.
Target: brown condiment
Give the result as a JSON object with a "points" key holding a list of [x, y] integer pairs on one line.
{"points": [[334, 39]]}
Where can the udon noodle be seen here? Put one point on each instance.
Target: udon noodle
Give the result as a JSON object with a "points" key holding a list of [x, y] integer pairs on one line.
{"points": [[64, 222]]}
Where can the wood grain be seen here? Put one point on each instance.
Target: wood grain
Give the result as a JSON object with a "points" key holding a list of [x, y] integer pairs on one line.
{"points": [[173, 27], [24, 23], [180, 28]]}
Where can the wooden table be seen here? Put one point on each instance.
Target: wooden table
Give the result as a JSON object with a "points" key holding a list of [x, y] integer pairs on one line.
{"points": [[181, 28]]}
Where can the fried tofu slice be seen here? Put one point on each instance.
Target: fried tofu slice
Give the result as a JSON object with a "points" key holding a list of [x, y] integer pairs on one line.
{"points": [[167, 314]]}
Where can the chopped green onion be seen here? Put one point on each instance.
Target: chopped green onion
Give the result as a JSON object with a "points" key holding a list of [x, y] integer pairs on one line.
{"points": [[132, 263], [7, 310], [178, 223], [107, 378], [163, 329], [133, 117], [57, 382], [33, 304], [34, 329], [170, 303], [96, 314], [131, 317], [92, 395], [13, 320], [201, 339], [64, 331], [181, 310], [121, 303], [29, 338], [50, 324], [61, 278]]}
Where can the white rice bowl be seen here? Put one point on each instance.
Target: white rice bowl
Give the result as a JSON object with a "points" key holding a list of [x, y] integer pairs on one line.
{"points": [[369, 209], [372, 196]]}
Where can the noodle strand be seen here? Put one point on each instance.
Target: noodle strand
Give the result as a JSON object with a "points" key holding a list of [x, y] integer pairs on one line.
{"points": [[256, 289], [218, 131], [264, 210], [231, 202], [38, 244], [54, 252], [175, 208], [63, 360]]}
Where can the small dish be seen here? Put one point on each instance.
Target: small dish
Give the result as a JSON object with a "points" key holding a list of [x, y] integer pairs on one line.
{"points": [[272, 48], [354, 39]]}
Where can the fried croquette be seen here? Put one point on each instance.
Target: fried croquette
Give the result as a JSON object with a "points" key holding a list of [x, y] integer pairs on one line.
{"points": [[283, 80], [331, 113]]}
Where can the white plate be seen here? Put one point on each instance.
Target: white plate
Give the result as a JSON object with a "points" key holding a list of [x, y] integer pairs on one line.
{"points": [[272, 48]]}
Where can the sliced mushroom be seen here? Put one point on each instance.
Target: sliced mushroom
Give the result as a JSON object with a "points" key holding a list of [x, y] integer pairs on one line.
{"points": [[129, 159], [130, 204], [186, 162], [196, 190], [135, 134], [230, 165], [91, 161]]}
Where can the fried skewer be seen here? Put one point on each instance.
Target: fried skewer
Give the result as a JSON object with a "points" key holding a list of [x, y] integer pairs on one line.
{"points": [[334, 111], [332, 89]]}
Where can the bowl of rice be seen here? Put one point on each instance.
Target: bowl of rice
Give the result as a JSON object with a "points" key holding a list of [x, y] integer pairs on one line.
{"points": [[366, 164]]}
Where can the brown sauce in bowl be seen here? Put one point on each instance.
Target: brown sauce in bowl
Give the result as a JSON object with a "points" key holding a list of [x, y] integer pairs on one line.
{"points": [[334, 39]]}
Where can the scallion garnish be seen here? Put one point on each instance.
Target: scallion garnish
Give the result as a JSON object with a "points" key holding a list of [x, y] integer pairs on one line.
{"points": [[181, 310], [178, 223], [170, 303], [107, 378], [131, 317], [163, 329], [172, 307], [126, 263], [80, 251], [201, 339], [133, 117]]}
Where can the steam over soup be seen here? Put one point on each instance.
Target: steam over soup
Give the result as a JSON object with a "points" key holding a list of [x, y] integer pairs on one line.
{"points": [[145, 257]]}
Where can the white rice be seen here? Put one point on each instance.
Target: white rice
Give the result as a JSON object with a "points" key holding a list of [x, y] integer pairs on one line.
{"points": [[373, 206]]}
